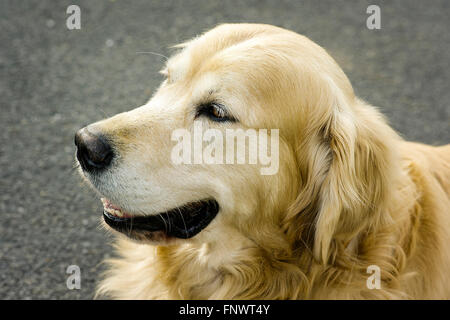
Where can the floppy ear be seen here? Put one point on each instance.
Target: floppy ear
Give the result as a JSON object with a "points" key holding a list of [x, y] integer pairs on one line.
{"points": [[352, 195]]}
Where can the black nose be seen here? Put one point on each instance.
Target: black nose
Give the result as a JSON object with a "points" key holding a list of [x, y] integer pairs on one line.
{"points": [[93, 151]]}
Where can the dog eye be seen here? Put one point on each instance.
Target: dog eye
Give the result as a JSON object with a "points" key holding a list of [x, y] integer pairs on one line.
{"points": [[215, 112]]}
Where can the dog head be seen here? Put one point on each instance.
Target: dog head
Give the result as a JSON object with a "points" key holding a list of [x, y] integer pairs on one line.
{"points": [[167, 175]]}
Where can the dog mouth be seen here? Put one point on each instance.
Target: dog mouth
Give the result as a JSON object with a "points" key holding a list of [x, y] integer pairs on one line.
{"points": [[182, 222]]}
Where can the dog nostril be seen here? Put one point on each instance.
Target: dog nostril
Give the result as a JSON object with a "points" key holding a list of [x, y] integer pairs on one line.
{"points": [[93, 151]]}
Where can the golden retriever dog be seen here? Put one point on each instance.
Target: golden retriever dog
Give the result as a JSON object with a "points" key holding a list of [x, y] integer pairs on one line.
{"points": [[352, 212]]}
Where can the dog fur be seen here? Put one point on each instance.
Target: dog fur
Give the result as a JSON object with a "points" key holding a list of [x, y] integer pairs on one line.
{"points": [[349, 193]]}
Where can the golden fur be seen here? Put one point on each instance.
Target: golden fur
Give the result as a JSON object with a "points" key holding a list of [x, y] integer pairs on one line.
{"points": [[349, 192]]}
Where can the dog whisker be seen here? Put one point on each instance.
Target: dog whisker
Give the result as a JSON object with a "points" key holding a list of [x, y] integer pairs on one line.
{"points": [[153, 53]]}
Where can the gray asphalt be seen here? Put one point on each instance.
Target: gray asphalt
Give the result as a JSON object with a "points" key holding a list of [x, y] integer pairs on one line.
{"points": [[54, 81]]}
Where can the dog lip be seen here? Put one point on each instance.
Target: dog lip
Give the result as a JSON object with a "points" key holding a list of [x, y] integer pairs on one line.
{"points": [[182, 222]]}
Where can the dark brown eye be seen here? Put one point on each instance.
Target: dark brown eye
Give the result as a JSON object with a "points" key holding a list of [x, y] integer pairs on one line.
{"points": [[215, 112]]}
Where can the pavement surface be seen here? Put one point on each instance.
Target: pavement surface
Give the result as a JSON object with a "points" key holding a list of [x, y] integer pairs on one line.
{"points": [[54, 81]]}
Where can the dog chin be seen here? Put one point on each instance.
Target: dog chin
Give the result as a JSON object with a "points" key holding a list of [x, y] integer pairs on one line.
{"points": [[156, 238]]}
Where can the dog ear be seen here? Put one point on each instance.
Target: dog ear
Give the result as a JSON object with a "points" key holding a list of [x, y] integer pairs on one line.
{"points": [[353, 191]]}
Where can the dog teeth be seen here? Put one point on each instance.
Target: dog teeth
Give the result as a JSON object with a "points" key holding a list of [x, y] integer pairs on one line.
{"points": [[115, 212]]}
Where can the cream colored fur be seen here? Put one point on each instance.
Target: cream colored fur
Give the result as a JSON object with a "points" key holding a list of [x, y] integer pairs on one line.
{"points": [[349, 192]]}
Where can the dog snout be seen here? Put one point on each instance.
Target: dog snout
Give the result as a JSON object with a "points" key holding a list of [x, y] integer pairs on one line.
{"points": [[94, 152]]}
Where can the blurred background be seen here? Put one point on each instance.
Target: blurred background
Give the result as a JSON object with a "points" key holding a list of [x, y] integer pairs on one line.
{"points": [[55, 81]]}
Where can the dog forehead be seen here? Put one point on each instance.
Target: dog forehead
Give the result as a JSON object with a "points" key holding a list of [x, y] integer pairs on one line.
{"points": [[198, 52]]}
